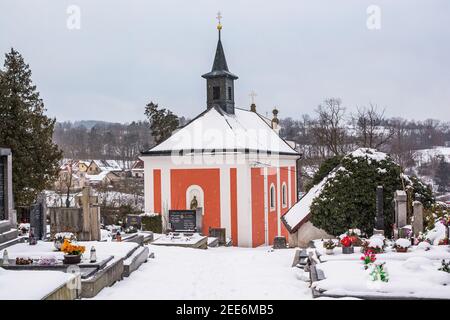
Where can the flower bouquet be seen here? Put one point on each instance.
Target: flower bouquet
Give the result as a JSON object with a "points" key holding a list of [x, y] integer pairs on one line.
{"points": [[72, 252], [329, 245], [379, 273], [347, 245], [58, 239], [402, 245], [368, 258]]}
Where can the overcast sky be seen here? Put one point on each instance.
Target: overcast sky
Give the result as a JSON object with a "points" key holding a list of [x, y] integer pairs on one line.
{"points": [[293, 53]]}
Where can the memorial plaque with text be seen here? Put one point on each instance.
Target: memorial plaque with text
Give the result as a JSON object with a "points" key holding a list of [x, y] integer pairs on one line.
{"points": [[182, 220]]}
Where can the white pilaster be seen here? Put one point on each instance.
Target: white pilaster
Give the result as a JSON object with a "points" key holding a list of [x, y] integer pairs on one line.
{"points": [[148, 188], [278, 202], [165, 189], [244, 206], [289, 188], [266, 208], [225, 200]]}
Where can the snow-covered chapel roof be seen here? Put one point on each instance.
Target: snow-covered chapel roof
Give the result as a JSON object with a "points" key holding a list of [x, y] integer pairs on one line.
{"points": [[216, 131]]}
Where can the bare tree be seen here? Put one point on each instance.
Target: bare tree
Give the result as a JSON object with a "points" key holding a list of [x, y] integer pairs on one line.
{"points": [[370, 131], [329, 128]]}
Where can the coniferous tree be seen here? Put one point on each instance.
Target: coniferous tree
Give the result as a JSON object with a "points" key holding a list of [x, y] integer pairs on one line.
{"points": [[26, 130], [162, 122], [443, 175]]}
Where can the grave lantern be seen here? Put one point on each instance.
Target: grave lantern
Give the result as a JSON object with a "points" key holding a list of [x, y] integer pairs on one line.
{"points": [[93, 257], [5, 258]]}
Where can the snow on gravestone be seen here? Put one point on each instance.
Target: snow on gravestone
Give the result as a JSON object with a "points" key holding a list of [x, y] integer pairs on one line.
{"points": [[418, 218], [400, 208]]}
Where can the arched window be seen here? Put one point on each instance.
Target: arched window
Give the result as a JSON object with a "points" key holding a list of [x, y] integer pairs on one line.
{"points": [[284, 195], [272, 197]]}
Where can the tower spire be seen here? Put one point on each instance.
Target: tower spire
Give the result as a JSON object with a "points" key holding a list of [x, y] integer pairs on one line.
{"points": [[219, 24], [220, 81]]}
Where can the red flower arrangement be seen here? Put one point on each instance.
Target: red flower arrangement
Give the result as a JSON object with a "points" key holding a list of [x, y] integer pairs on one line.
{"points": [[368, 258], [346, 241]]}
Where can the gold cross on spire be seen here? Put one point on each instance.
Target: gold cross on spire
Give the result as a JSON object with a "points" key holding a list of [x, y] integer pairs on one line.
{"points": [[219, 19], [253, 95]]}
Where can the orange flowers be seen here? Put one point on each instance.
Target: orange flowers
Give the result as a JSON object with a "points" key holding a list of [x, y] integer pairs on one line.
{"points": [[69, 248]]}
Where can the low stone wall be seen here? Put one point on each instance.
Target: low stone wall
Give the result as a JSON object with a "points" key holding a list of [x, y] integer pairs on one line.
{"points": [[305, 234], [104, 278], [68, 291]]}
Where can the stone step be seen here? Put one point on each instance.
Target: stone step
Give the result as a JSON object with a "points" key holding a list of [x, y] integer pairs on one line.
{"points": [[11, 242], [134, 262], [8, 235], [5, 226]]}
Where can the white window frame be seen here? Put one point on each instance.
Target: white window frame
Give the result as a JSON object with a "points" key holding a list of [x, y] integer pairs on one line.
{"points": [[272, 197], [284, 195]]}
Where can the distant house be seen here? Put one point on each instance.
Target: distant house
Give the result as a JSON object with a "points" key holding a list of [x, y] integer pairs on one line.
{"points": [[83, 165], [104, 177], [98, 166], [137, 170]]}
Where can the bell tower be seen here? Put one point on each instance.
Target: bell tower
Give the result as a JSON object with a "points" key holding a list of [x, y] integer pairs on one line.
{"points": [[220, 81]]}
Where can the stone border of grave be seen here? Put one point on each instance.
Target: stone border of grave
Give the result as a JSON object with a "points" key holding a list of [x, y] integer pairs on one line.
{"points": [[318, 275], [65, 292]]}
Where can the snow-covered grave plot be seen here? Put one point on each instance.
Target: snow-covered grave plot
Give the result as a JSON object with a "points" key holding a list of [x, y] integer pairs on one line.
{"points": [[215, 273], [194, 240], [27, 285], [46, 250], [413, 274]]}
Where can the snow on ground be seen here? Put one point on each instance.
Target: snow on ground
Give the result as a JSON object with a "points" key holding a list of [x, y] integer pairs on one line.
{"points": [[30, 285], [410, 278], [413, 274], [215, 273], [426, 155]]}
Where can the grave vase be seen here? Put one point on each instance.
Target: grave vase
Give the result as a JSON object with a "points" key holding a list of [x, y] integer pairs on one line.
{"points": [[348, 250], [72, 258]]}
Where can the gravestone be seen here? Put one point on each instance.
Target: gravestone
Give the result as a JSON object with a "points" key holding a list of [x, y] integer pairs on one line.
{"points": [[182, 220], [400, 202], [379, 218], [417, 224], [84, 222], [134, 220], [279, 242], [219, 233], [7, 212], [38, 219], [8, 216]]}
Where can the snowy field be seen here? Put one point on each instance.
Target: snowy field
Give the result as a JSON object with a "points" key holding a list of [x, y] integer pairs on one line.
{"points": [[215, 273]]}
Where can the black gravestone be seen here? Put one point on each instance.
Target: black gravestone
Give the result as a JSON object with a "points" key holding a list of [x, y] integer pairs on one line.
{"points": [[38, 218], [379, 220], [182, 220], [134, 220]]}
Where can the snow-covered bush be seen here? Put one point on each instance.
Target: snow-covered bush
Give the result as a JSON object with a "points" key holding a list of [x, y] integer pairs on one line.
{"points": [[437, 234], [60, 236], [375, 244], [348, 198], [424, 245], [403, 243]]}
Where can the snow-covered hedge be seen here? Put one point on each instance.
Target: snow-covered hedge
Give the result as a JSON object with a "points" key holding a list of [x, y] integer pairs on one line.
{"points": [[348, 198]]}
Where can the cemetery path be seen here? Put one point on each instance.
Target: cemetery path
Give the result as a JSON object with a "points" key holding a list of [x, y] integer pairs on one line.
{"points": [[216, 273]]}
